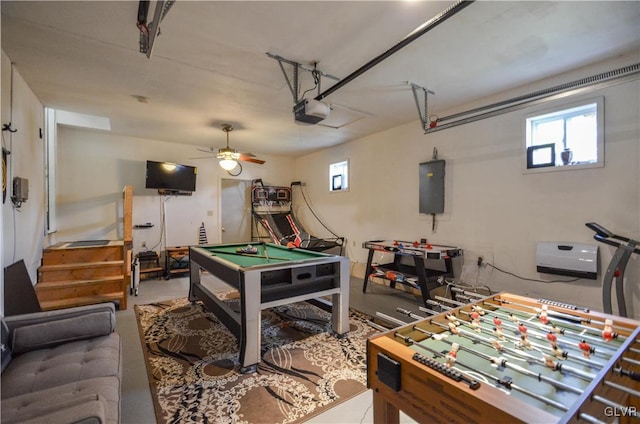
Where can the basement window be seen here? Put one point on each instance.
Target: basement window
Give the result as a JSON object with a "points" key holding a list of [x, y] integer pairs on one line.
{"points": [[339, 176], [566, 136]]}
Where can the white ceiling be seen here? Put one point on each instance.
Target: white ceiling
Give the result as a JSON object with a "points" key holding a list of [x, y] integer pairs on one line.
{"points": [[209, 65]]}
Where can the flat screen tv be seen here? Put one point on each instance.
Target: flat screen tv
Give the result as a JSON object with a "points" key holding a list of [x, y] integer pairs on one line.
{"points": [[171, 176]]}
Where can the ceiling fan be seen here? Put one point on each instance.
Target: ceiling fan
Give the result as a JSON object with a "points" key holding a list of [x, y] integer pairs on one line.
{"points": [[229, 157]]}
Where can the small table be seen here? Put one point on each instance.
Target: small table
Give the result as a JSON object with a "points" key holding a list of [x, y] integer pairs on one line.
{"points": [[428, 261], [274, 276]]}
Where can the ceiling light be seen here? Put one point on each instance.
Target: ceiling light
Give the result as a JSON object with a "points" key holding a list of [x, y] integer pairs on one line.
{"points": [[228, 164]]}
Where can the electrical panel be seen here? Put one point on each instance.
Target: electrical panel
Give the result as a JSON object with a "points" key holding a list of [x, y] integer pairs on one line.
{"points": [[20, 189], [432, 187]]}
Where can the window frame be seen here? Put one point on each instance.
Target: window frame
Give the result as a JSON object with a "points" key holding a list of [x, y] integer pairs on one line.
{"points": [[557, 107], [341, 178]]}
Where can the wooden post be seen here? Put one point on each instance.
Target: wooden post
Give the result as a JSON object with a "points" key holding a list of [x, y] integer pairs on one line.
{"points": [[127, 245]]}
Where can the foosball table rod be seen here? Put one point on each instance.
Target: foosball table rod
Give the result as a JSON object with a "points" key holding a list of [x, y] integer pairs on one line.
{"points": [[391, 319], [553, 365], [542, 348], [539, 336], [566, 332], [505, 364], [571, 318]]}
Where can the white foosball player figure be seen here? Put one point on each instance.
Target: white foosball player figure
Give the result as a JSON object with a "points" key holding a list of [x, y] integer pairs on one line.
{"points": [[607, 331], [452, 355]]}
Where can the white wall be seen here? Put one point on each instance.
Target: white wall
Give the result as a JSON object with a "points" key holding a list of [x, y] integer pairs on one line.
{"points": [[22, 228], [492, 209], [94, 166]]}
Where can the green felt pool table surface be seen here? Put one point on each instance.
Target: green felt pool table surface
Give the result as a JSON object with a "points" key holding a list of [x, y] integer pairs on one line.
{"points": [[267, 254]]}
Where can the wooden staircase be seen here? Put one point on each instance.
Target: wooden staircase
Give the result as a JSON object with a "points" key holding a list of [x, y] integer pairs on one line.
{"points": [[73, 276]]}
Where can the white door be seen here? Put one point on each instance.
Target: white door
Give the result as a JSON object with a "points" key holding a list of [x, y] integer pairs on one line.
{"points": [[235, 211]]}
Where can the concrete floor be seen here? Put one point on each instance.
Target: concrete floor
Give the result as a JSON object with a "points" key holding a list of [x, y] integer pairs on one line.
{"points": [[137, 406]]}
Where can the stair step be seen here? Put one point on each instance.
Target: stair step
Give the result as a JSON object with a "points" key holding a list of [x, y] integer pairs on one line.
{"points": [[80, 265], [54, 285], [80, 271], [81, 301], [60, 253]]}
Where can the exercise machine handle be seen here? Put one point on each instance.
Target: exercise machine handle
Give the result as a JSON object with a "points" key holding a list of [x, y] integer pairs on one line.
{"points": [[603, 235]]}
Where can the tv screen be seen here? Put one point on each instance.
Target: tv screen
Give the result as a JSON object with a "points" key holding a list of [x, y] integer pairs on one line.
{"points": [[171, 176]]}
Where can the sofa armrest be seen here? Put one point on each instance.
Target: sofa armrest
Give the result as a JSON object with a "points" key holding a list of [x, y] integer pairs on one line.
{"points": [[85, 409], [51, 328]]}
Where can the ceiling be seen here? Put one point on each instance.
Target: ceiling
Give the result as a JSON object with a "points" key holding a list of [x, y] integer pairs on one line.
{"points": [[209, 64]]}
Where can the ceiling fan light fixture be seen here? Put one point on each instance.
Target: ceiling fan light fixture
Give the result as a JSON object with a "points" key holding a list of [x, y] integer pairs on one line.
{"points": [[228, 164]]}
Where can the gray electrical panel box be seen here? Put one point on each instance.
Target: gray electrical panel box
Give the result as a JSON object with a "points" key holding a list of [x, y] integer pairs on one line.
{"points": [[20, 189], [432, 187]]}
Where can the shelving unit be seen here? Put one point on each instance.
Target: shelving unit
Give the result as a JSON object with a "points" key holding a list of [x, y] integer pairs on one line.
{"points": [[149, 264], [176, 260]]}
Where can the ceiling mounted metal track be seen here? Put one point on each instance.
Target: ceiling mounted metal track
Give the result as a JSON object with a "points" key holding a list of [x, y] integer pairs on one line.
{"points": [[583, 85], [419, 32], [148, 33], [293, 82]]}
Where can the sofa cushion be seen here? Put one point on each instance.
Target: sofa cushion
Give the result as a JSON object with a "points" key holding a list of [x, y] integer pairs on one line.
{"points": [[55, 332], [44, 405], [6, 349], [70, 362]]}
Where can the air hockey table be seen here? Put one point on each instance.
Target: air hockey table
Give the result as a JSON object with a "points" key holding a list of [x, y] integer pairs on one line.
{"points": [[507, 358], [274, 275]]}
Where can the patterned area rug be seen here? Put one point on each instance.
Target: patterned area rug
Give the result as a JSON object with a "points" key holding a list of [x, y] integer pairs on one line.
{"points": [[194, 373]]}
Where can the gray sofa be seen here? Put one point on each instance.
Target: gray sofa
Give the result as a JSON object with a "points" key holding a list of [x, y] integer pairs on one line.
{"points": [[62, 366]]}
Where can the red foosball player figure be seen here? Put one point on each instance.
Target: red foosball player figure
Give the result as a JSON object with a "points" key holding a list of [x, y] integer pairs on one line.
{"points": [[475, 316], [497, 322], [452, 355], [522, 329], [585, 348], [607, 331], [553, 339], [543, 314]]}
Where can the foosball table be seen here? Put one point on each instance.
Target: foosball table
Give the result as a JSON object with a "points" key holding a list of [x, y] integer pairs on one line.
{"points": [[506, 358]]}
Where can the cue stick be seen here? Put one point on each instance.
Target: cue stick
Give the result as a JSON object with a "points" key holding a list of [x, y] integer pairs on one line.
{"points": [[505, 364], [539, 336], [251, 255], [501, 381], [565, 332], [558, 367], [565, 354]]}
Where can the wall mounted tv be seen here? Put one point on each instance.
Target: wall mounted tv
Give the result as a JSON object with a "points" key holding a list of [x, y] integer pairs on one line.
{"points": [[171, 176]]}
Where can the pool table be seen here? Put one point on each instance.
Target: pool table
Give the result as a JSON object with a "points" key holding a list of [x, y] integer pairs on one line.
{"points": [[274, 275]]}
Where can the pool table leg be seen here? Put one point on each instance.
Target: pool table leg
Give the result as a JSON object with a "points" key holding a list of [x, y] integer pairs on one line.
{"points": [[340, 309], [194, 278], [250, 340]]}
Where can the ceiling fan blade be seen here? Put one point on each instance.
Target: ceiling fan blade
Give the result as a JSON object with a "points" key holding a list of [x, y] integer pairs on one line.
{"points": [[211, 150], [245, 158], [204, 157]]}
